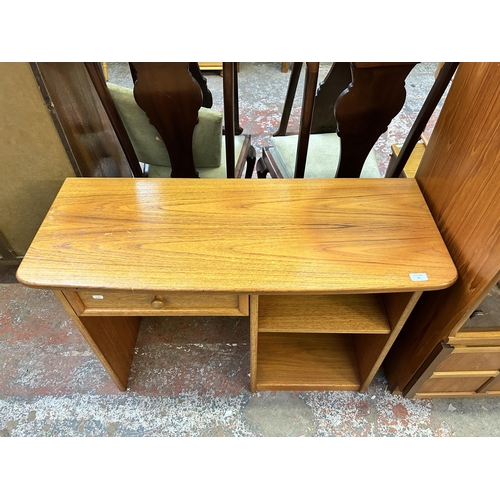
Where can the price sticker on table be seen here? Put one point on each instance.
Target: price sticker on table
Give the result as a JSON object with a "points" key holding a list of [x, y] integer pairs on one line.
{"points": [[418, 277]]}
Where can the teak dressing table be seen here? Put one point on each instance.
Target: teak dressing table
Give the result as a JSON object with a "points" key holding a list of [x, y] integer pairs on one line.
{"points": [[327, 269]]}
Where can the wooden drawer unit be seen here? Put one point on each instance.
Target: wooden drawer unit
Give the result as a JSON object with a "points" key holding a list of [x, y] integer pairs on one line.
{"points": [[125, 303], [468, 365]]}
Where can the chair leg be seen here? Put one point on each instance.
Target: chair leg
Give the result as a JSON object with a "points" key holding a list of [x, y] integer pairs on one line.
{"points": [[267, 166], [251, 159], [261, 169], [290, 95]]}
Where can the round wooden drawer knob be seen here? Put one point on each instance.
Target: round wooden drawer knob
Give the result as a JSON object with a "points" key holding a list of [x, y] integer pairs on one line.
{"points": [[157, 302]]}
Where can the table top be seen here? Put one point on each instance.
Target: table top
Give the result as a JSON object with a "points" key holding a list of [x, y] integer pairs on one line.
{"points": [[239, 236]]}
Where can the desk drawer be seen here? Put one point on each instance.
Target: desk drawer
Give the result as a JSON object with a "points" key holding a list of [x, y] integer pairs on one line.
{"points": [[121, 303]]}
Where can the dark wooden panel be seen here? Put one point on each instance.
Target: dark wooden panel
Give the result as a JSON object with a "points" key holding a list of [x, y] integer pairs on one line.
{"points": [[87, 132], [97, 77]]}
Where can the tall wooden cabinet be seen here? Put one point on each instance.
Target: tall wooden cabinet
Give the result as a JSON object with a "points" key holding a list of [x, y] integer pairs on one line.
{"points": [[436, 353], [52, 126]]}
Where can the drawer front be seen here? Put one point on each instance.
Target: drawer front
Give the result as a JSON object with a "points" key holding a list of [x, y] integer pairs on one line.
{"points": [[471, 359], [460, 385], [467, 371], [117, 303]]}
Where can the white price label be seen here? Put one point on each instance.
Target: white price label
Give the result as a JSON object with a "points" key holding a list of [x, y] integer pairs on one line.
{"points": [[418, 277]]}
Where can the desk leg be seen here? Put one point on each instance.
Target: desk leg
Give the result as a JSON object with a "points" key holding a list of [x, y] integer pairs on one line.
{"points": [[112, 338], [254, 334]]}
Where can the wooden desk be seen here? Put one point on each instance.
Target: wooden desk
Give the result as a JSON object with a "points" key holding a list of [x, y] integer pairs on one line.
{"points": [[327, 269]]}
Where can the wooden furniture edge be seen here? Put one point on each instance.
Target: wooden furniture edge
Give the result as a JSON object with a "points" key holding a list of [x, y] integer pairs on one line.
{"points": [[106, 336], [440, 352], [254, 334], [374, 352]]}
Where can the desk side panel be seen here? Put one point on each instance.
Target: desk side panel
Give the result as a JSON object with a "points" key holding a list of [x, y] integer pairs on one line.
{"points": [[111, 338]]}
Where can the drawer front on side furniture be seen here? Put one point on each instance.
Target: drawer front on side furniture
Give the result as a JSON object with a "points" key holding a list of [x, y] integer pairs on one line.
{"points": [[117, 303], [466, 371]]}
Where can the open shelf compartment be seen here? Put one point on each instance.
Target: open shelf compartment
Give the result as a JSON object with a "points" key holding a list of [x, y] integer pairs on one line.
{"points": [[358, 313], [323, 342], [315, 361]]}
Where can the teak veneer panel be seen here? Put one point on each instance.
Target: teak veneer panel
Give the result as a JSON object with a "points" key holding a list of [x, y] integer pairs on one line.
{"points": [[308, 236], [323, 314], [371, 350]]}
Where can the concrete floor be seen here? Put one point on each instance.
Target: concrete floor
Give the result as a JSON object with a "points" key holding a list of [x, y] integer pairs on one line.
{"points": [[190, 375]]}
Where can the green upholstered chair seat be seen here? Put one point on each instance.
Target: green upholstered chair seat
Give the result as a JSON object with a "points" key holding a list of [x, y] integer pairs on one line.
{"points": [[162, 171], [148, 145], [322, 156]]}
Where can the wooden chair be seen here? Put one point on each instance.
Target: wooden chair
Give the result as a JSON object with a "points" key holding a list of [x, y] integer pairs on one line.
{"points": [[347, 122], [168, 121]]}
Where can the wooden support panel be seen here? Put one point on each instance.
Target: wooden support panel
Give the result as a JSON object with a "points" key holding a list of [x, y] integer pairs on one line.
{"points": [[111, 338], [424, 395]]}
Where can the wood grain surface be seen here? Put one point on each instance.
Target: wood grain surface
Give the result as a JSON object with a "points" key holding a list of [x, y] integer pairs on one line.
{"points": [[234, 236], [459, 178]]}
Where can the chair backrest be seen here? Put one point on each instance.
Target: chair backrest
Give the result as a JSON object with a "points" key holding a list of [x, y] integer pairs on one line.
{"points": [[195, 71], [171, 99], [323, 118], [171, 95], [362, 112]]}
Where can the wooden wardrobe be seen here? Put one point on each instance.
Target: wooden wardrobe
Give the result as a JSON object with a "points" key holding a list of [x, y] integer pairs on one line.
{"points": [[459, 175]]}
